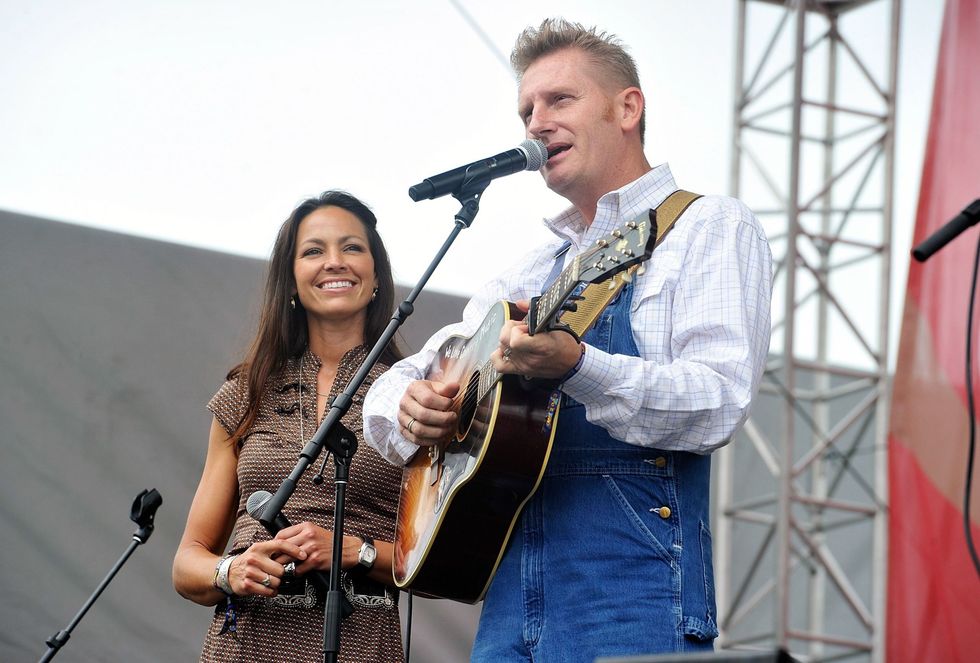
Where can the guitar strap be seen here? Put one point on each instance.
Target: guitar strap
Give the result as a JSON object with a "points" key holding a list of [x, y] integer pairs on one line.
{"points": [[597, 296]]}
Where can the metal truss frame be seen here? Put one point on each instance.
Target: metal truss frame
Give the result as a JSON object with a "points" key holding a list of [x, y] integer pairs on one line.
{"points": [[801, 494]]}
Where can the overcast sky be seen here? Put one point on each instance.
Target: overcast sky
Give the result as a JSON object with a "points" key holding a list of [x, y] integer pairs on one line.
{"points": [[204, 122]]}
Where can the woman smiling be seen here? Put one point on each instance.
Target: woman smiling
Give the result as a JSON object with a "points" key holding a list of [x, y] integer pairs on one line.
{"points": [[328, 297]]}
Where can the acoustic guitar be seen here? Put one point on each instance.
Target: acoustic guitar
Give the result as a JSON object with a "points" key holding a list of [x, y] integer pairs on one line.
{"points": [[460, 500]]}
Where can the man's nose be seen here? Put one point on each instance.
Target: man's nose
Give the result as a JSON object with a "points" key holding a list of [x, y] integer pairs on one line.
{"points": [[540, 124]]}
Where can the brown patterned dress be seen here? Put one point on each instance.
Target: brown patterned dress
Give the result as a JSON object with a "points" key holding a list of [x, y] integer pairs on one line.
{"points": [[291, 628]]}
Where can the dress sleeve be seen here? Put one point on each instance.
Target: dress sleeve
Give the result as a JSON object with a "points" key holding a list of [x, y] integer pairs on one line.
{"points": [[228, 405]]}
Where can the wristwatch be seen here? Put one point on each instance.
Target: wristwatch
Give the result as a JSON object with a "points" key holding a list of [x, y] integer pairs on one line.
{"points": [[367, 554]]}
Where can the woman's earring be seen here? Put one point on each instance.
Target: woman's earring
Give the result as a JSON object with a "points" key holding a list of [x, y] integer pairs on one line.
{"points": [[374, 295], [292, 302]]}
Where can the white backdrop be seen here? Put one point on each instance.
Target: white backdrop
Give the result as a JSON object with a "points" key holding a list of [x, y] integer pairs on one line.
{"points": [[204, 122]]}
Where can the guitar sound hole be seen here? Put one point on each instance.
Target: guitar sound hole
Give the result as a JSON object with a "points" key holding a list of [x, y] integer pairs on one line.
{"points": [[468, 408]]}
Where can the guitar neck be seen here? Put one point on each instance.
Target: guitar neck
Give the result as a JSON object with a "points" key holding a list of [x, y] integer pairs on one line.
{"points": [[625, 247], [550, 302]]}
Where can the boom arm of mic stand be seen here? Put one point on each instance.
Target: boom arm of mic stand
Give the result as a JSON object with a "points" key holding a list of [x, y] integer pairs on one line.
{"points": [[469, 198], [970, 216]]}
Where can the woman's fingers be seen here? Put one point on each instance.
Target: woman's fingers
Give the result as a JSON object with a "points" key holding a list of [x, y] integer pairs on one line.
{"points": [[260, 568]]}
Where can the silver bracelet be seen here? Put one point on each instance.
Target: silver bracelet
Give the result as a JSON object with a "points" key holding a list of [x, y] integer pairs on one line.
{"points": [[221, 574]]}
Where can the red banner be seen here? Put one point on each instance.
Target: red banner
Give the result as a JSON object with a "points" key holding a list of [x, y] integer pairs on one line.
{"points": [[933, 610]]}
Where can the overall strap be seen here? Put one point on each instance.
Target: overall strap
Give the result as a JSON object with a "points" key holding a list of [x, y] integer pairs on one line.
{"points": [[556, 268]]}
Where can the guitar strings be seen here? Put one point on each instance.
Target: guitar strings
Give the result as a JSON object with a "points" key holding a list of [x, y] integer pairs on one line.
{"points": [[467, 398]]}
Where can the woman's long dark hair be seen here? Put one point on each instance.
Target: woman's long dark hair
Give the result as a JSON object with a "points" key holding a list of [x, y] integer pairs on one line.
{"points": [[283, 334]]}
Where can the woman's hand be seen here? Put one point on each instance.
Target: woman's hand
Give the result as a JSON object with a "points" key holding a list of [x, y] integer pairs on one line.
{"points": [[317, 546], [258, 569]]}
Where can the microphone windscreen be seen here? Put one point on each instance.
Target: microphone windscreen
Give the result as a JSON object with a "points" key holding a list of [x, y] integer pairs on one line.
{"points": [[256, 503], [537, 153]]}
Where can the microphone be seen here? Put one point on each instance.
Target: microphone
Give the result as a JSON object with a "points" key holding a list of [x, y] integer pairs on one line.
{"points": [[529, 155], [256, 507], [968, 217]]}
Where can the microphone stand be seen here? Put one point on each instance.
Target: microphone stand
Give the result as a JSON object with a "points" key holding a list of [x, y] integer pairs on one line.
{"points": [[341, 442], [144, 508]]}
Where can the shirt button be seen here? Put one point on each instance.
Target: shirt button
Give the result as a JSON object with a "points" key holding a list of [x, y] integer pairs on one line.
{"points": [[660, 461], [663, 512]]}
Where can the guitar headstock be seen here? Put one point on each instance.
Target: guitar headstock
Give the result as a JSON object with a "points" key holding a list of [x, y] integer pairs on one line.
{"points": [[628, 245]]}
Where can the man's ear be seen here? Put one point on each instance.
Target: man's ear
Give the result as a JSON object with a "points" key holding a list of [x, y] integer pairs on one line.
{"points": [[632, 104]]}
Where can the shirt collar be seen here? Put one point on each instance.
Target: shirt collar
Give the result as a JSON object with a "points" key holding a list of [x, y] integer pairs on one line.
{"points": [[615, 207]]}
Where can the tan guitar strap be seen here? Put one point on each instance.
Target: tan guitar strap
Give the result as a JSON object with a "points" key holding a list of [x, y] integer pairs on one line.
{"points": [[597, 296]]}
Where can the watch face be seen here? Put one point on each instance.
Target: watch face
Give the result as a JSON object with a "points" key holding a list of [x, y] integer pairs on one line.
{"points": [[367, 555]]}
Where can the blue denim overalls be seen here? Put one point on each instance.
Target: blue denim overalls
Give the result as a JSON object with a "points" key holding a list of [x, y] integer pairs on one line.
{"points": [[612, 555]]}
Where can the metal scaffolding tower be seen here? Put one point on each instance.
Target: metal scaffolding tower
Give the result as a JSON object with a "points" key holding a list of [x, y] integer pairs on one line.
{"points": [[801, 530]]}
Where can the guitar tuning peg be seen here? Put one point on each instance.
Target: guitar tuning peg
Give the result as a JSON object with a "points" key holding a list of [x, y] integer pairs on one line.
{"points": [[576, 298], [571, 307], [612, 284], [627, 277], [642, 269]]}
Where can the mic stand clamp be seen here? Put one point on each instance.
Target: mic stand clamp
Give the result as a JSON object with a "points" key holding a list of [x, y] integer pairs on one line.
{"points": [[469, 197], [345, 444], [142, 512]]}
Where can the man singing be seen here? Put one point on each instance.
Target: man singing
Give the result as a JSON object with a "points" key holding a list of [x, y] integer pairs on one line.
{"points": [[612, 555]]}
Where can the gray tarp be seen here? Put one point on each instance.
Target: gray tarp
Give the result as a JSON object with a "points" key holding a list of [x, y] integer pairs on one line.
{"points": [[110, 345]]}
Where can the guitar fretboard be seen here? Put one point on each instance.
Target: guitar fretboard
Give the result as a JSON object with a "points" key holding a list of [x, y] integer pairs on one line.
{"points": [[552, 299]]}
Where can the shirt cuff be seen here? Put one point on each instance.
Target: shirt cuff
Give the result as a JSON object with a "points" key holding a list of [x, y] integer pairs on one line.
{"points": [[387, 441], [587, 384]]}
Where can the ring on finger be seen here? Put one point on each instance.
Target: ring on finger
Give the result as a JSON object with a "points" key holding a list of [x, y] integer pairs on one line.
{"points": [[267, 580], [506, 354], [289, 570], [410, 424]]}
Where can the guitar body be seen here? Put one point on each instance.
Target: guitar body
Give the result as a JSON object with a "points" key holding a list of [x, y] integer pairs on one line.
{"points": [[460, 502]]}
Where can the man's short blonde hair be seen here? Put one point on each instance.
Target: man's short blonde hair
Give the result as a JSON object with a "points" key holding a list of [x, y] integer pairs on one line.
{"points": [[603, 48]]}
